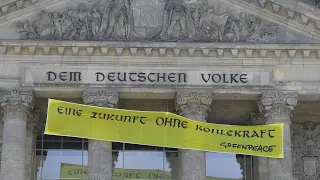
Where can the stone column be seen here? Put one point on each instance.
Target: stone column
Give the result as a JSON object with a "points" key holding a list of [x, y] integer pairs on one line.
{"points": [[100, 161], [33, 128], [278, 108], [260, 164], [194, 106], [16, 108]]}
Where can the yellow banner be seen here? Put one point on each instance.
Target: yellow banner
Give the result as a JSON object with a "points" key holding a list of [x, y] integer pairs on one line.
{"points": [[161, 129], [72, 171]]}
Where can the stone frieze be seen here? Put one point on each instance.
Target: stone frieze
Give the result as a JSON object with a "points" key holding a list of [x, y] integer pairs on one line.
{"points": [[161, 20]]}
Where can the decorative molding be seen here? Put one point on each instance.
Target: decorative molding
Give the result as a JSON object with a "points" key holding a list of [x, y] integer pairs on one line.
{"points": [[101, 98], [193, 104], [305, 150], [93, 48], [188, 21], [305, 11], [278, 104], [16, 104], [17, 5]]}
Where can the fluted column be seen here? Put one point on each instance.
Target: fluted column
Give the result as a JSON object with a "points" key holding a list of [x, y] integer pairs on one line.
{"points": [[100, 160], [260, 168], [33, 127], [278, 107], [16, 107], [194, 106]]}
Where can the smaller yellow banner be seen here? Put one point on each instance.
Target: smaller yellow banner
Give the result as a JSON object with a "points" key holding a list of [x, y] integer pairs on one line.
{"points": [[72, 171], [162, 129]]}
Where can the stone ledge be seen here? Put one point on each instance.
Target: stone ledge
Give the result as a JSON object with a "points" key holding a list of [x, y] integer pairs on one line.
{"points": [[160, 49], [300, 12], [10, 6]]}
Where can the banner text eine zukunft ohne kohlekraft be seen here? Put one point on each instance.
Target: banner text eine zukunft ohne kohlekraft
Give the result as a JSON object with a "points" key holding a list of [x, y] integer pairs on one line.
{"points": [[161, 129]]}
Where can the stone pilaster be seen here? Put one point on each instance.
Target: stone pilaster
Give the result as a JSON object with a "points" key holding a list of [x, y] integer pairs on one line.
{"points": [[194, 106], [260, 165], [16, 108], [278, 107], [33, 128], [100, 160]]}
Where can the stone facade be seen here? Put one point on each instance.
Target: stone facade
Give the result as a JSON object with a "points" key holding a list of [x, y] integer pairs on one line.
{"points": [[188, 54]]}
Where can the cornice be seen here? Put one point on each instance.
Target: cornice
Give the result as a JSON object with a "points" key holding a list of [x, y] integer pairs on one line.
{"points": [[300, 13], [10, 6], [160, 49]]}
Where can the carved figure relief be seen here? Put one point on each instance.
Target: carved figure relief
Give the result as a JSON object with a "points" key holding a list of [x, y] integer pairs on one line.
{"points": [[182, 20], [117, 20], [312, 2], [305, 151], [317, 3]]}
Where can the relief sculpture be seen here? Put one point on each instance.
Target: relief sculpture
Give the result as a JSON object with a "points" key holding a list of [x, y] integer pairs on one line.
{"points": [[305, 151], [182, 20]]}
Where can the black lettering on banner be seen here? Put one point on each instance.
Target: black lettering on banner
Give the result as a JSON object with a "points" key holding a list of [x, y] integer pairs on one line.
{"points": [[255, 134], [206, 129], [102, 116], [262, 132], [172, 122], [134, 119], [248, 147], [94, 115], [152, 176], [51, 76], [110, 117], [246, 134], [100, 77], [127, 117], [70, 172], [138, 176], [237, 133], [229, 132], [270, 133], [271, 148], [141, 120], [220, 131], [69, 111]]}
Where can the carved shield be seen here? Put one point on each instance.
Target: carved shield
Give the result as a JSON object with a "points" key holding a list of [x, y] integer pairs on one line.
{"points": [[310, 166], [148, 15]]}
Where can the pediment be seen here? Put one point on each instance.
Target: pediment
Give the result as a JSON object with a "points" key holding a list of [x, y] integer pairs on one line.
{"points": [[154, 20]]}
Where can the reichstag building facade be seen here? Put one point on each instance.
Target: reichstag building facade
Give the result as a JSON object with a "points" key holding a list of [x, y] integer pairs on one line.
{"points": [[234, 62]]}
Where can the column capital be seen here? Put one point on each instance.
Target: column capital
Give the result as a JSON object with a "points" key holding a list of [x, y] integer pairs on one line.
{"points": [[193, 104], [278, 106], [101, 98], [16, 103]]}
